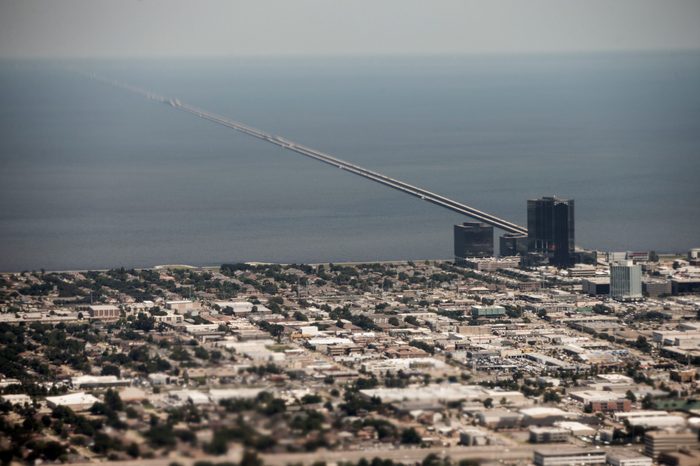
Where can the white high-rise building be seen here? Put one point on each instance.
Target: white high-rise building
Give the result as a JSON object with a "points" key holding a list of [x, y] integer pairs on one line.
{"points": [[625, 280]]}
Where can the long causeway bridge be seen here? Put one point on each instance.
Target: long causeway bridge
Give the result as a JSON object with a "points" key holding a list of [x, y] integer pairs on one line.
{"points": [[399, 185]]}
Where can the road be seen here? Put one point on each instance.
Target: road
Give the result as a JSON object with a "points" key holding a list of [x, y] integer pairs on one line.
{"points": [[402, 455]]}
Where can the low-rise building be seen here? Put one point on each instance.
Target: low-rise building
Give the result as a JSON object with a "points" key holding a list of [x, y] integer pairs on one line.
{"points": [[609, 406], [104, 311], [499, 419], [684, 376], [472, 437], [680, 458], [79, 401], [548, 435], [658, 441], [628, 459], [596, 286], [491, 264], [568, 457], [658, 422], [169, 317], [182, 306], [99, 381], [487, 311], [543, 416], [18, 399]]}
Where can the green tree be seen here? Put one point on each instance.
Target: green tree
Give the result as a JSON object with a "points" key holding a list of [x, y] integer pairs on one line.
{"points": [[410, 437], [113, 401], [250, 458], [642, 344], [109, 369], [550, 396]]}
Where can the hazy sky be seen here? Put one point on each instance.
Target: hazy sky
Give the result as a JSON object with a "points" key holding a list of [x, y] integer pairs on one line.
{"points": [[146, 28]]}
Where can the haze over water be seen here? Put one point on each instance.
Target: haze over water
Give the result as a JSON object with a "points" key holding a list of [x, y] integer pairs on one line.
{"points": [[95, 177]]}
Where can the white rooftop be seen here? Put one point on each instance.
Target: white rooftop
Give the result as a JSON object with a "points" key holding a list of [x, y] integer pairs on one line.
{"points": [[233, 393], [330, 341], [72, 399], [89, 379], [543, 411], [433, 392]]}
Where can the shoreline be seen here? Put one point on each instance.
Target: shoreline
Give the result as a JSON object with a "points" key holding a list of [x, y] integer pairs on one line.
{"points": [[664, 255], [214, 266]]}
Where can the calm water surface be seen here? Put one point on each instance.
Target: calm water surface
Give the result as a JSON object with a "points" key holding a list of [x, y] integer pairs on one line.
{"points": [[92, 176]]}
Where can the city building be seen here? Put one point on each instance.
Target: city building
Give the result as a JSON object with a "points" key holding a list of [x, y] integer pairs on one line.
{"points": [[625, 280], [568, 457], [491, 264], [548, 434], [182, 306], [659, 441], [596, 286], [543, 416], [487, 311], [169, 317], [76, 401], [17, 400], [683, 285], [550, 228], [655, 288], [684, 376], [624, 458], [472, 239], [512, 244], [99, 381], [582, 271], [474, 437], [611, 406], [680, 458], [499, 419], [694, 254], [104, 311]]}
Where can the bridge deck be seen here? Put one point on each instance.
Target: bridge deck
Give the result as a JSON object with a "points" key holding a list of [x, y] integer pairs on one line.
{"points": [[326, 158]]}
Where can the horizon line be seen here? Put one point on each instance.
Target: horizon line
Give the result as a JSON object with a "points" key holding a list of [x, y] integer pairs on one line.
{"points": [[350, 55]]}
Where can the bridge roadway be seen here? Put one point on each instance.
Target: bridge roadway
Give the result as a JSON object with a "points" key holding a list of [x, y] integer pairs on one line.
{"points": [[325, 158]]}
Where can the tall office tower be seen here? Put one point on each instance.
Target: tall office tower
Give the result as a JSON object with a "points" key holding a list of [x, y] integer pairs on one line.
{"points": [[625, 280], [550, 229], [513, 244], [473, 239]]}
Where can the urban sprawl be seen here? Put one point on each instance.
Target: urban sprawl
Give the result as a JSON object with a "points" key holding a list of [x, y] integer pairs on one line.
{"points": [[546, 355]]}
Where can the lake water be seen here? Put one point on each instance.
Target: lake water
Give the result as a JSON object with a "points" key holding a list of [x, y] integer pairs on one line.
{"points": [[93, 177]]}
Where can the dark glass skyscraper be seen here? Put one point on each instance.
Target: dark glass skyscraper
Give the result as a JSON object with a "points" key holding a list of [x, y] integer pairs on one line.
{"points": [[550, 229], [473, 239]]}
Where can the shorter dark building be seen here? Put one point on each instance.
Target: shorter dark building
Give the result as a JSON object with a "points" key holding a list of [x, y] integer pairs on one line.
{"points": [[685, 285], [595, 286], [685, 457], [513, 244], [473, 239]]}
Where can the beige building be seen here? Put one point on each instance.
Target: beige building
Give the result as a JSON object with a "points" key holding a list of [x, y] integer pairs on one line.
{"points": [[104, 311], [657, 442]]}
